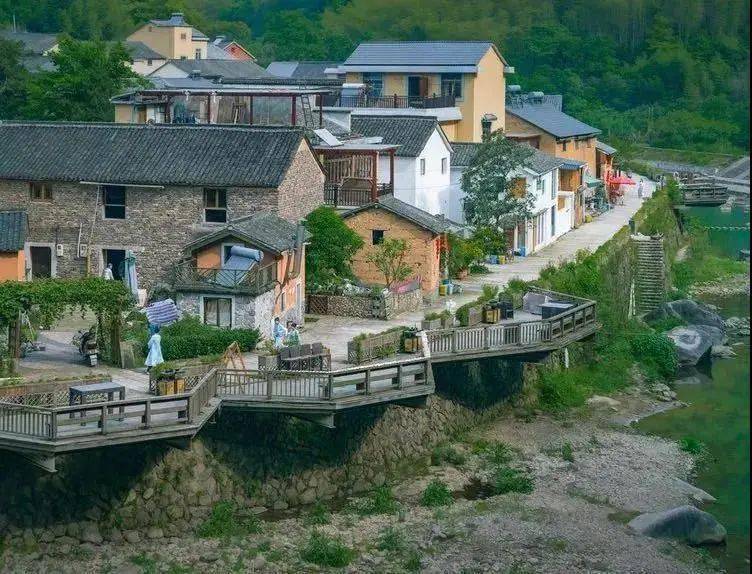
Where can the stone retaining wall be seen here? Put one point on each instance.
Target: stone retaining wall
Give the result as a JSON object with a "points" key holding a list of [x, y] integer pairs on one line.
{"points": [[386, 306]]}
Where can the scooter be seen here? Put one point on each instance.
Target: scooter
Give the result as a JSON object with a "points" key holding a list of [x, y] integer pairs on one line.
{"points": [[86, 342]]}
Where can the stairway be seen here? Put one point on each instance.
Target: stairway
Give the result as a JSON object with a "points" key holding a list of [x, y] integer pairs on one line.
{"points": [[650, 273]]}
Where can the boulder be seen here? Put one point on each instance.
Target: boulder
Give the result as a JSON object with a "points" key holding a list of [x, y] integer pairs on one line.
{"points": [[694, 342], [598, 401], [722, 352], [690, 312], [685, 523]]}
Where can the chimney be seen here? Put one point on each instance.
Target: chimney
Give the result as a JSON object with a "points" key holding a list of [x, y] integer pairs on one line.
{"points": [[178, 17]]}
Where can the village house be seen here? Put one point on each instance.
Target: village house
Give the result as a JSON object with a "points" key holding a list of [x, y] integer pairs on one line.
{"points": [[244, 274], [35, 48], [222, 48], [553, 208], [460, 83], [227, 69], [604, 160], [421, 162], [390, 218], [315, 70], [13, 228], [94, 191], [173, 38]]}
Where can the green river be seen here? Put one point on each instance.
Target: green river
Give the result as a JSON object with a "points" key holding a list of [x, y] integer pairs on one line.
{"points": [[718, 414]]}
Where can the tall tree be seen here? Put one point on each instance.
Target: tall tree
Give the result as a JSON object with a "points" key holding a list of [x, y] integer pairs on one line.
{"points": [[490, 186], [13, 80], [87, 75]]}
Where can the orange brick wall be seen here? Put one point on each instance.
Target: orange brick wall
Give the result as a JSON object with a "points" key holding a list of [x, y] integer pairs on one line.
{"points": [[423, 247]]}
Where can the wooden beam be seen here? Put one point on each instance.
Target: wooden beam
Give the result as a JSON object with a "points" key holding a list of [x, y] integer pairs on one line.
{"points": [[326, 420]]}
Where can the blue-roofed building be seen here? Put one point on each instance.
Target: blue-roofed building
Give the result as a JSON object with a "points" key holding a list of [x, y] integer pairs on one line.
{"points": [[460, 83]]}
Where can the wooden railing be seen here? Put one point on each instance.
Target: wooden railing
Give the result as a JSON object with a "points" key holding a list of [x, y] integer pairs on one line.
{"points": [[55, 423], [187, 277], [520, 334], [191, 374], [699, 193], [322, 386], [393, 101], [336, 195]]}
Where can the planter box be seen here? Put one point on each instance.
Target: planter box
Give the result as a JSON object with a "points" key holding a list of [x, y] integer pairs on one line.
{"points": [[491, 315], [430, 324], [411, 344], [373, 347]]}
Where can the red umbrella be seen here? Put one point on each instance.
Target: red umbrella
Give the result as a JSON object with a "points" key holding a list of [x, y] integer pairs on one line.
{"points": [[621, 180]]}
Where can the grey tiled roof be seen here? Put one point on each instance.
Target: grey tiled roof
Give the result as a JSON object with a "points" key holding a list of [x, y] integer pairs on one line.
{"points": [[550, 120], [432, 223], [216, 52], [147, 154], [13, 227], [263, 229], [442, 53], [411, 133], [140, 51], [35, 63], [304, 70], [605, 148], [540, 162], [33, 42], [229, 69]]}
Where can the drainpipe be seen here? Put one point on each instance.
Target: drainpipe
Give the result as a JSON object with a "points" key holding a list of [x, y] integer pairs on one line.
{"points": [[298, 256]]}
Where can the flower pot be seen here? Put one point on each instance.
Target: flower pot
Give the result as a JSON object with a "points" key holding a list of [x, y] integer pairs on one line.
{"points": [[411, 344], [442, 290]]}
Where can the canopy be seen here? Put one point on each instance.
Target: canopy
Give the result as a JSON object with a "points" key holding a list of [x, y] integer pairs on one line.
{"points": [[621, 180], [591, 181]]}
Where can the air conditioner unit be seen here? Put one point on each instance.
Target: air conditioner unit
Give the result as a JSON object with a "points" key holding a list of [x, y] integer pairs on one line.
{"points": [[59, 249]]}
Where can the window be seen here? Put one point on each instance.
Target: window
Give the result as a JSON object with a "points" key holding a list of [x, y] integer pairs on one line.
{"points": [[589, 142], [218, 311], [444, 164], [451, 85], [377, 236], [375, 83], [576, 144], [564, 146], [183, 36], [183, 58], [198, 53], [540, 185], [215, 205], [149, 62], [422, 167], [40, 191], [553, 185], [113, 199]]}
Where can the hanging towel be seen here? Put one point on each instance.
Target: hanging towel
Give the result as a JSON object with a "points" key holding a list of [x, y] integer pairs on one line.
{"points": [[162, 312]]}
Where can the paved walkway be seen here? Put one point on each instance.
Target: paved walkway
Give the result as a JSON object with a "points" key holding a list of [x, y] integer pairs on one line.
{"points": [[589, 236]]}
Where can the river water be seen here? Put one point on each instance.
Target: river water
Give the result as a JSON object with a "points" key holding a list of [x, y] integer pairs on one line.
{"points": [[719, 414]]}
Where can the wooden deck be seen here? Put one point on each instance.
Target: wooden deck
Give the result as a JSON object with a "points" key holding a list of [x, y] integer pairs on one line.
{"points": [[41, 427], [704, 194]]}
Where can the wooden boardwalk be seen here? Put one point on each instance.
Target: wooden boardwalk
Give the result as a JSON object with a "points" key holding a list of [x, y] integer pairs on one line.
{"points": [[42, 427]]}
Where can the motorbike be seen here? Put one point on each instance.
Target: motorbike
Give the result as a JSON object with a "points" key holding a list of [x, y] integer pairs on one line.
{"points": [[86, 343]]}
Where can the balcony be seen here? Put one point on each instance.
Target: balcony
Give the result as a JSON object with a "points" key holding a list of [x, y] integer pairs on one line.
{"points": [[338, 195], [389, 102], [255, 281]]}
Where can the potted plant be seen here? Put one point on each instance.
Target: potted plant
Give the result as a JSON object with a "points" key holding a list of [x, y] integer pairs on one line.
{"points": [[431, 321], [410, 341]]}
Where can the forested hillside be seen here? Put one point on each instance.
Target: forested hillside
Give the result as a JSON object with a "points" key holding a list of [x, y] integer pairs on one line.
{"points": [[671, 73]]}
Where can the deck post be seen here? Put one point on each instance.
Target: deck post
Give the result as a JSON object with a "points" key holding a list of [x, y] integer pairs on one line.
{"points": [[487, 338], [368, 381], [103, 417], [146, 419], [189, 409], [53, 424], [454, 341], [269, 385], [399, 375], [329, 386]]}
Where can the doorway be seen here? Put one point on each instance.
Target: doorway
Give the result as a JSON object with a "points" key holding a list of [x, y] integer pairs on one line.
{"points": [[417, 89], [41, 261], [116, 257]]}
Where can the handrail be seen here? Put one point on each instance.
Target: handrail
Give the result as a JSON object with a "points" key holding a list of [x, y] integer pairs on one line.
{"points": [[187, 275]]}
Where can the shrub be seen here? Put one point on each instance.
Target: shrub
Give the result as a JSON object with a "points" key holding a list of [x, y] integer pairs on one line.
{"points": [[666, 324], [225, 521], [391, 540], [507, 479], [567, 452], [188, 338], [437, 493], [447, 453], [693, 446], [319, 514], [657, 353], [331, 248], [559, 390], [380, 501], [493, 452], [326, 551]]}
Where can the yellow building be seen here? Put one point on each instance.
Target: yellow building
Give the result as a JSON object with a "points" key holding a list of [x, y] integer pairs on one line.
{"points": [[462, 83], [173, 38]]}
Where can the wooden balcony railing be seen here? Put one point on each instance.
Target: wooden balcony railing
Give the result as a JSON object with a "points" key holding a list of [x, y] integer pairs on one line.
{"points": [[393, 101], [336, 196], [187, 277]]}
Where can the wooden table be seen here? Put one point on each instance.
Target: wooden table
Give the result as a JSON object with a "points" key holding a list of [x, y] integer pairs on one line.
{"points": [[78, 394]]}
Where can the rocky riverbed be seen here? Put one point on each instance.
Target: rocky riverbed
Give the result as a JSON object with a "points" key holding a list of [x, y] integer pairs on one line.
{"points": [[571, 485]]}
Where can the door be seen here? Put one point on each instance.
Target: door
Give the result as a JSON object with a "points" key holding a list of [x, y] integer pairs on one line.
{"points": [[116, 257], [414, 87], [41, 262]]}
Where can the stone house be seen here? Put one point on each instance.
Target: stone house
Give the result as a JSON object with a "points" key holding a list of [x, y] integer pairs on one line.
{"points": [[229, 291], [94, 191], [391, 218], [13, 227]]}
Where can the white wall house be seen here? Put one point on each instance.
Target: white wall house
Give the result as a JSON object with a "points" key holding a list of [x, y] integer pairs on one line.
{"points": [[422, 163], [553, 214]]}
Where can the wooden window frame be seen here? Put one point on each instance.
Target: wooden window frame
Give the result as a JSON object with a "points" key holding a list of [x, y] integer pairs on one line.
{"points": [[422, 166], [40, 191], [215, 206], [444, 165], [211, 298], [377, 236]]}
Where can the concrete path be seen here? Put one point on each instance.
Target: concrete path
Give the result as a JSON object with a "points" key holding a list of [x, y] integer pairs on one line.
{"points": [[589, 236]]}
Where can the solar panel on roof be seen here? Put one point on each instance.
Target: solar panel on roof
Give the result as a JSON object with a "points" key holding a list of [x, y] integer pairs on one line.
{"points": [[326, 136]]}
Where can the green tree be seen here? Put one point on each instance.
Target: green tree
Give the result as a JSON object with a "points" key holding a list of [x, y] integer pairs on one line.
{"points": [[489, 184], [13, 80], [87, 75], [389, 258], [331, 248]]}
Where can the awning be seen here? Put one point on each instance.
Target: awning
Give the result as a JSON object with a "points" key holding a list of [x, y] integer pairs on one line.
{"points": [[591, 181], [571, 163]]}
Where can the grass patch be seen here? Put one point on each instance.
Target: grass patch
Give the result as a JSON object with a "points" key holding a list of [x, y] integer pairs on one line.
{"points": [[391, 540], [666, 324], [567, 452], [318, 515], [225, 521], [507, 479], [622, 516], [324, 550], [447, 453], [380, 501], [695, 447], [413, 561], [492, 452], [147, 564], [436, 494]]}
